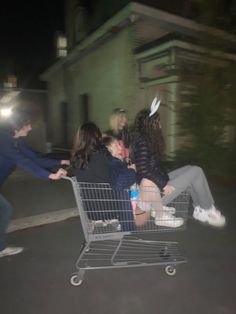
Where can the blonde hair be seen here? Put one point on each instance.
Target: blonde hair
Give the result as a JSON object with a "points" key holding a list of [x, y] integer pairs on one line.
{"points": [[114, 119]]}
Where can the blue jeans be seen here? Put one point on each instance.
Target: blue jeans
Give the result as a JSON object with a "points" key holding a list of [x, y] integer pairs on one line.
{"points": [[5, 215]]}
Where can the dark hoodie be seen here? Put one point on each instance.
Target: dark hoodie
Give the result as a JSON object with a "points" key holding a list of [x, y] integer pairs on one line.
{"points": [[14, 152]]}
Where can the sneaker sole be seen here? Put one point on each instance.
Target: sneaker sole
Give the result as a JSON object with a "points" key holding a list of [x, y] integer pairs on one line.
{"points": [[171, 211], [11, 254], [210, 224], [164, 224]]}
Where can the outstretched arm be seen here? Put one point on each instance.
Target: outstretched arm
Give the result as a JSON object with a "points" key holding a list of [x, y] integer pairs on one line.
{"points": [[41, 161], [14, 153]]}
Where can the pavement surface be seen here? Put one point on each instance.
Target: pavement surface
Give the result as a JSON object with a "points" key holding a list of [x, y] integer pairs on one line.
{"points": [[37, 281], [37, 202]]}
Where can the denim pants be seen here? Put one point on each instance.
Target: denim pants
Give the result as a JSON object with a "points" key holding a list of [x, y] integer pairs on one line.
{"points": [[192, 179], [5, 215]]}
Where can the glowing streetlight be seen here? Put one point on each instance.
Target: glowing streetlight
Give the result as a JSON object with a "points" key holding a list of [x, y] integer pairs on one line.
{"points": [[6, 112], [7, 103]]}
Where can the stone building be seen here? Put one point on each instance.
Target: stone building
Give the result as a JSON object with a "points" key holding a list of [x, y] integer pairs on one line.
{"points": [[137, 54]]}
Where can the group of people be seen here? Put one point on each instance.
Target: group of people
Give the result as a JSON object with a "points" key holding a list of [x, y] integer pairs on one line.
{"points": [[122, 157]]}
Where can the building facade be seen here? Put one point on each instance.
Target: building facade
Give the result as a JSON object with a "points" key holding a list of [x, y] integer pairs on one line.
{"points": [[137, 54]]}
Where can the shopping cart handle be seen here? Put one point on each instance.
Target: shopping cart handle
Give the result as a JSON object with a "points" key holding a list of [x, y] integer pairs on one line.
{"points": [[66, 178]]}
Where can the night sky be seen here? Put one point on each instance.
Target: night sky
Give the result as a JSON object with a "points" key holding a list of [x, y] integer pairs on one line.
{"points": [[27, 31]]}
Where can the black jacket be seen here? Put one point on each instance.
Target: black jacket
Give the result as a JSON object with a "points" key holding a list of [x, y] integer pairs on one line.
{"points": [[147, 165], [103, 204], [97, 170]]}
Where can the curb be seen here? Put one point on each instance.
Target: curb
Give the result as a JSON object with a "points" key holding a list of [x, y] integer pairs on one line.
{"points": [[42, 219]]}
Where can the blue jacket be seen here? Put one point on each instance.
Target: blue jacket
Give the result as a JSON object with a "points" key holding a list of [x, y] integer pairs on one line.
{"points": [[15, 152], [121, 176]]}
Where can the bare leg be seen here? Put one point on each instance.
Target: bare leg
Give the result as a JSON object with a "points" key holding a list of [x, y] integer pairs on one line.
{"points": [[141, 217], [151, 202], [150, 195]]}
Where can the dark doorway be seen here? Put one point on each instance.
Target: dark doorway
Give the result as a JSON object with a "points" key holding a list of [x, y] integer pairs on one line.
{"points": [[84, 108], [64, 117]]}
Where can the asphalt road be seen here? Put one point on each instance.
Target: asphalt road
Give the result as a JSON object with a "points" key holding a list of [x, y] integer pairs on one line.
{"points": [[37, 281]]}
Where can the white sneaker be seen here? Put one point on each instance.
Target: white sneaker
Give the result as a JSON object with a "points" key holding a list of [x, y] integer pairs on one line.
{"points": [[11, 250], [166, 219], [168, 209], [105, 223], [212, 216], [99, 223], [114, 223]]}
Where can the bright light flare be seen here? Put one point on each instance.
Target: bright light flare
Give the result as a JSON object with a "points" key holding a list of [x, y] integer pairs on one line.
{"points": [[6, 112]]}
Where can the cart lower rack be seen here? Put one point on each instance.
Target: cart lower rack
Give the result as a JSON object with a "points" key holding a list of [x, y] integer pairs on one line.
{"points": [[112, 238]]}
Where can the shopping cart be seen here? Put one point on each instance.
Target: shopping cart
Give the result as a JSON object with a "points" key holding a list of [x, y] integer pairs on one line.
{"points": [[108, 224]]}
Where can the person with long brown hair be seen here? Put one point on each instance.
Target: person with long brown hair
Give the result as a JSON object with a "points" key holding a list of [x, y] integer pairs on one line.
{"points": [[90, 164], [93, 163], [148, 147], [90, 158]]}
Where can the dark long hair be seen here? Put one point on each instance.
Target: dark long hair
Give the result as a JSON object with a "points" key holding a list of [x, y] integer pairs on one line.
{"points": [[149, 128], [87, 141]]}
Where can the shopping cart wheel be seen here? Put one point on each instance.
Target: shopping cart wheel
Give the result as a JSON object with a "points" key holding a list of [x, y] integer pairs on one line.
{"points": [[75, 281], [170, 270]]}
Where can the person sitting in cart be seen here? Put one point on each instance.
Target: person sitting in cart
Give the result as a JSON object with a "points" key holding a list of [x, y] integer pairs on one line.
{"points": [[91, 161], [147, 149], [148, 202], [123, 176], [14, 152]]}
